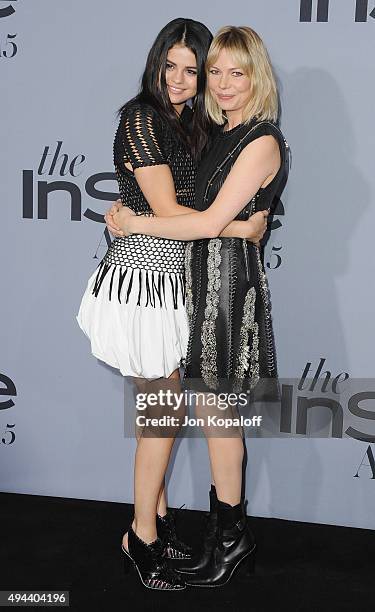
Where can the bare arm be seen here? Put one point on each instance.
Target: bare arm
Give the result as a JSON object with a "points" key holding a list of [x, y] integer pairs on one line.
{"points": [[235, 229], [257, 162], [158, 188], [157, 185]]}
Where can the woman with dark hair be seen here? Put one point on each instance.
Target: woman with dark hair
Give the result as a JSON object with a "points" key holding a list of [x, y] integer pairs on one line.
{"points": [[231, 346], [133, 309]]}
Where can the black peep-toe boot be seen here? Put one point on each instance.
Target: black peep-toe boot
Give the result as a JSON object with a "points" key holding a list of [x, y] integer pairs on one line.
{"points": [[150, 564], [202, 557], [234, 548], [166, 529]]}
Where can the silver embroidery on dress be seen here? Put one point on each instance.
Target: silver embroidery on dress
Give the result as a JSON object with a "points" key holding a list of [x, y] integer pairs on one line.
{"points": [[209, 350], [263, 282], [189, 284], [248, 359]]}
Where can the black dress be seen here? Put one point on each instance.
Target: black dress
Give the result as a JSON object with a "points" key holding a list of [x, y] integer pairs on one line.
{"points": [[231, 345]]}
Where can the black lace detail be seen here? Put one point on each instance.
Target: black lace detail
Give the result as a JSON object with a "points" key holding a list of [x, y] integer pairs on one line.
{"points": [[140, 133], [142, 139]]}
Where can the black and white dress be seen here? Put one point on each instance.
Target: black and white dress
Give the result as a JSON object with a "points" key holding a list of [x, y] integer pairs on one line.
{"points": [[231, 346], [133, 309]]}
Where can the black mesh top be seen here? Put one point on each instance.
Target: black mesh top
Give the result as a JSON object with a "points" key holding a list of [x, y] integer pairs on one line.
{"points": [[143, 138]]}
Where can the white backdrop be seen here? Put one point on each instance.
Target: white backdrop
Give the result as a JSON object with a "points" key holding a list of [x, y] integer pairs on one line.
{"points": [[65, 68]]}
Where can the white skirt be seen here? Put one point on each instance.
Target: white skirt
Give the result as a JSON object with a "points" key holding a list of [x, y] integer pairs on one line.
{"points": [[135, 319]]}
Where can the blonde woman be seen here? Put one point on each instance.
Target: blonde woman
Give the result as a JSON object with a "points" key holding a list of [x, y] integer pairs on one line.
{"points": [[231, 344]]}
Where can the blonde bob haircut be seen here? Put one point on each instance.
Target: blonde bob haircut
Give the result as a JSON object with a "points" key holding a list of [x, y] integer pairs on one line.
{"points": [[249, 54]]}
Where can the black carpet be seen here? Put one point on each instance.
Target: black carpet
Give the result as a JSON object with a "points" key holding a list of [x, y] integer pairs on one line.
{"points": [[55, 543]]}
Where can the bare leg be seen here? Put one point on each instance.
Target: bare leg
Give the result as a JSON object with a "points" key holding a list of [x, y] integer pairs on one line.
{"points": [[226, 452], [151, 462], [226, 456], [162, 501]]}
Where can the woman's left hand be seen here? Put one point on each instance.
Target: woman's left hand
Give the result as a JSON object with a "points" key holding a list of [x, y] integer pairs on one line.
{"points": [[108, 218], [257, 225], [122, 217]]}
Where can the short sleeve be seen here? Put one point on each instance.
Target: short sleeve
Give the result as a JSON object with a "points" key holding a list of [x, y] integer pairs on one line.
{"points": [[267, 128], [142, 137]]}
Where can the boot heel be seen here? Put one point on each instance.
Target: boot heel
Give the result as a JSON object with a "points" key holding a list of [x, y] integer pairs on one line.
{"points": [[247, 565], [127, 562]]}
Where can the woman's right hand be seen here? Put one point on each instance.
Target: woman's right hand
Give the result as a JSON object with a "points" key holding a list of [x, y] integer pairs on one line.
{"points": [[257, 226], [111, 225]]}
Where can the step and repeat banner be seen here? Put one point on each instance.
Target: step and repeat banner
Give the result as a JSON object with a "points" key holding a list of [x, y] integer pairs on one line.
{"points": [[65, 69]]}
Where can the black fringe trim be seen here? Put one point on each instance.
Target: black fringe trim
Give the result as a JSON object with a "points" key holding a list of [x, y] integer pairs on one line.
{"points": [[102, 271], [121, 282], [129, 287], [140, 288], [154, 284]]}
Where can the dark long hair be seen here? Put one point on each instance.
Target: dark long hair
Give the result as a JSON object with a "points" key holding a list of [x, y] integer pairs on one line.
{"points": [[196, 37]]}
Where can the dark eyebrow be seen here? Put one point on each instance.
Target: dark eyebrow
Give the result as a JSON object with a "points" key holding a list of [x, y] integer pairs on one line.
{"points": [[191, 67]]}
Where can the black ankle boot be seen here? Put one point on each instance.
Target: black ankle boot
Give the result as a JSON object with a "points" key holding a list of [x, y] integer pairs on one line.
{"points": [[173, 547], [200, 560], [234, 547], [150, 564]]}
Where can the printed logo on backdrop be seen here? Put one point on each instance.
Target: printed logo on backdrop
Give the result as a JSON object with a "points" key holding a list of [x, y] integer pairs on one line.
{"points": [[367, 464], [63, 171], [8, 46], [59, 171], [8, 434], [274, 257], [324, 404], [6, 11], [319, 10]]}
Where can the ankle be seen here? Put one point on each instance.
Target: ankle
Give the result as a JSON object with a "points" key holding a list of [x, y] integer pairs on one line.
{"points": [[146, 533], [232, 503]]}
